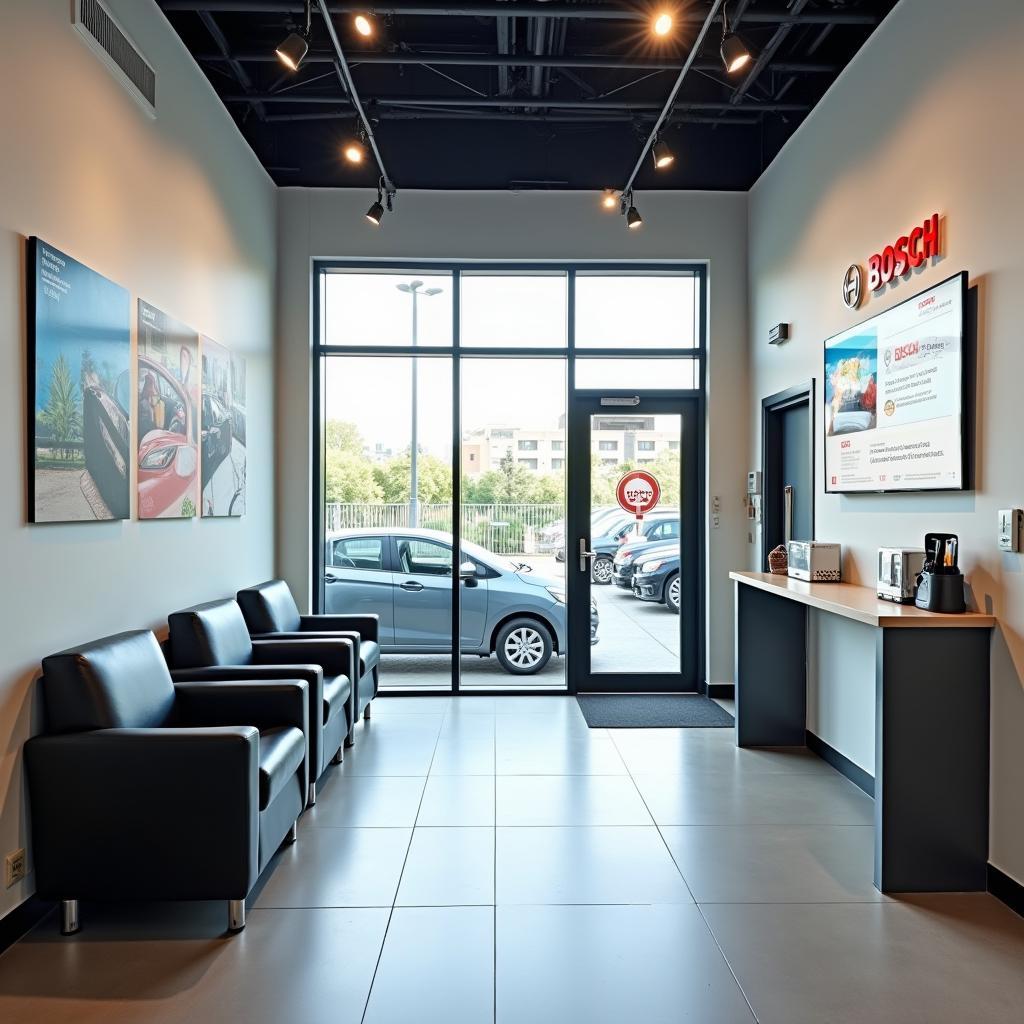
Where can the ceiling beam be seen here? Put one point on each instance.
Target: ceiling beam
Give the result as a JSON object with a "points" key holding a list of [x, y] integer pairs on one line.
{"points": [[500, 60], [521, 102], [765, 56], [521, 8], [241, 75], [597, 118]]}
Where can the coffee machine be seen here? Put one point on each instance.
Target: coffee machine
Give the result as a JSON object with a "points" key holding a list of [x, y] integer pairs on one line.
{"points": [[940, 584]]}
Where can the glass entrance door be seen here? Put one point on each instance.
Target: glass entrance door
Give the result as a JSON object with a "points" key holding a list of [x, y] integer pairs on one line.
{"points": [[633, 572]]}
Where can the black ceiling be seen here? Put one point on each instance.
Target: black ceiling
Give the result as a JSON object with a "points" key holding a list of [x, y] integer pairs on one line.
{"points": [[521, 93]]}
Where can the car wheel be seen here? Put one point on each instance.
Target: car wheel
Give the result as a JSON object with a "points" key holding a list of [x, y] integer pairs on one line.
{"points": [[602, 570], [672, 594], [523, 646]]}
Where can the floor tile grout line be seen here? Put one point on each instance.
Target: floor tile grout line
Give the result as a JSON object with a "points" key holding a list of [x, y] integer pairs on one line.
{"points": [[668, 849], [401, 874]]}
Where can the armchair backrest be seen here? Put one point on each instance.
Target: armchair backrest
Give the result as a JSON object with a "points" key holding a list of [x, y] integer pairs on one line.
{"points": [[270, 608], [209, 634], [120, 682]]}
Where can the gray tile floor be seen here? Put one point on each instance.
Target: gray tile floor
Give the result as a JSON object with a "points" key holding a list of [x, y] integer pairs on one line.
{"points": [[491, 859]]}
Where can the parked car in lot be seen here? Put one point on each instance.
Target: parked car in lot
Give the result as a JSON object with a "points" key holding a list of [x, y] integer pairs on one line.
{"points": [[659, 526], [405, 577], [602, 519], [634, 550], [216, 435], [657, 577]]}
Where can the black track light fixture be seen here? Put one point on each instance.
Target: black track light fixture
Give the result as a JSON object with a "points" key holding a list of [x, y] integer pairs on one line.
{"points": [[735, 54], [631, 213], [292, 52], [662, 155], [385, 201]]}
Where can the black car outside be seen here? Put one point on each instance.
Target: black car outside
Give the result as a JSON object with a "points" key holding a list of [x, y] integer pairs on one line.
{"points": [[657, 579]]}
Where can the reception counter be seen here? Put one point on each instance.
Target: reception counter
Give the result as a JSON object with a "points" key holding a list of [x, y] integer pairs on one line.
{"points": [[930, 678]]}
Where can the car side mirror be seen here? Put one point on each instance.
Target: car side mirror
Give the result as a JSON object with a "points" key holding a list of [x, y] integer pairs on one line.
{"points": [[467, 573]]}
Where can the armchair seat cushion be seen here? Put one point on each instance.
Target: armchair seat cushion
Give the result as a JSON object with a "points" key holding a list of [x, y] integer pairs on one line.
{"points": [[281, 753], [369, 656], [337, 690]]}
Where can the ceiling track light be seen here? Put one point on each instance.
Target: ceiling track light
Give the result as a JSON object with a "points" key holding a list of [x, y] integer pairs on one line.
{"points": [[735, 54], [363, 24], [385, 201], [663, 156], [662, 24], [292, 52], [631, 213], [609, 200], [355, 149]]}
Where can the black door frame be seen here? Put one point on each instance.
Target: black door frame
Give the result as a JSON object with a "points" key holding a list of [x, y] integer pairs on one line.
{"points": [[773, 513], [691, 675], [456, 351]]}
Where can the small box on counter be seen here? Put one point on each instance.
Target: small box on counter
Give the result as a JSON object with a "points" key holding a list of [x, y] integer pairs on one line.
{"points": [[814, 561]]}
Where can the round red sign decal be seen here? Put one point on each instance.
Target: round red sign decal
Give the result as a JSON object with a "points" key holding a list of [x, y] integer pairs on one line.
{"points": [[638, 492]]}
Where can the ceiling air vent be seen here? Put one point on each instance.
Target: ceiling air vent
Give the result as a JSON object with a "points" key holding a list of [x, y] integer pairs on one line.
{"points": [[114, 47]]}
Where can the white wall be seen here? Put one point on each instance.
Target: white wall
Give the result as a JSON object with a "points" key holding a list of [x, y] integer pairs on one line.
{"points": [[178, 211], [925, 119], [531, 226]]}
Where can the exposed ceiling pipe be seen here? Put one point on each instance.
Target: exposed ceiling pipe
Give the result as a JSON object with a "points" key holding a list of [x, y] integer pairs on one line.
{"points": [[241, 75], [350, 87], [504, 59], [522, 102], [580, 118], [523, 9], [666, 110]]}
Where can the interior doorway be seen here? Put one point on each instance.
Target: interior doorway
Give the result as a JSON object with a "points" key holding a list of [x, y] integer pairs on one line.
{"points": [[787, 468]]}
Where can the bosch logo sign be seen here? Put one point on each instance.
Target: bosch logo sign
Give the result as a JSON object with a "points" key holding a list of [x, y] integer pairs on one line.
{"points": [[907, 253], [852, 286]]}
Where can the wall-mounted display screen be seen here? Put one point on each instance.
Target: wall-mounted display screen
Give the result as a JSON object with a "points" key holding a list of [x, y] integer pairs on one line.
{"points": [[894, 397]]}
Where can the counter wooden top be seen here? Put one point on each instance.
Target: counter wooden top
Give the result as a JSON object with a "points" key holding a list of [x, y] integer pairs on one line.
{"points": [[859, 603]]}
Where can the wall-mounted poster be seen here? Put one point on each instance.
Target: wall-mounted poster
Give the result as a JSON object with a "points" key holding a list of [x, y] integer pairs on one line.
{"points": [[79, 336], [223, 431], [168, 417]]}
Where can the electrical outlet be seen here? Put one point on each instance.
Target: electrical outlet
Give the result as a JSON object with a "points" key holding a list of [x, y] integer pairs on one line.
{"points": [[14, 867]]}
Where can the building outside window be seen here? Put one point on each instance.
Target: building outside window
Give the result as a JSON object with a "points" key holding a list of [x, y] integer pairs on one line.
{"points": [[558, 446], [607, 446], [645, 446], [528, 445], [528, 463]]}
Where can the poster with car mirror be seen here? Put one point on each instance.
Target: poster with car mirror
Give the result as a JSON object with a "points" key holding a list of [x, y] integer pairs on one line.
{"points": [[79, 377], [222, 432], [167, 386]]}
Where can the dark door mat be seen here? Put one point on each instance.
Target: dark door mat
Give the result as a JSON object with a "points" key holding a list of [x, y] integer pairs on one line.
{"points": [[653, 711]]}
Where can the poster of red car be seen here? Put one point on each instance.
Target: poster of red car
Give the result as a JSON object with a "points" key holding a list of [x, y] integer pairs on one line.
{"points": [[167, 384]]}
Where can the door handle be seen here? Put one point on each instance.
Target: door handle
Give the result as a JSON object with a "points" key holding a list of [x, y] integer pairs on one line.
{"points": [[585, 554], [412, 586]]}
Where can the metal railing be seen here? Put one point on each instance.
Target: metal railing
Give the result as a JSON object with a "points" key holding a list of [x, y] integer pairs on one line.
{"points": [[507, 529]]}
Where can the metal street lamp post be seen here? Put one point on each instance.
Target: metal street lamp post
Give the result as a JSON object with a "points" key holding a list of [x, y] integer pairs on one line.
{"points": [[413, 289]]}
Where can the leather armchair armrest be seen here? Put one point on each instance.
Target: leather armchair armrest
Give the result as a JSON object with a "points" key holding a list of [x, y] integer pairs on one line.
{"points": [[117, 812], [333, 654], [367, 626], [264, 704]]}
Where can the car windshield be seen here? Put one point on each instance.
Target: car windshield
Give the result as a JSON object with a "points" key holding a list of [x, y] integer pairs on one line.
{"points": [[489, 558]]}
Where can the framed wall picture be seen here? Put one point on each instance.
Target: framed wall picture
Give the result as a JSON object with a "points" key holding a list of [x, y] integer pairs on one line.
{"points": [[167, 393], [79, 382], [223, 430]]}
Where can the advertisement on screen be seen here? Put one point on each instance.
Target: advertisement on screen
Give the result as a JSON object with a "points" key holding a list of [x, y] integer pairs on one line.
{"points": [[894, 397]]}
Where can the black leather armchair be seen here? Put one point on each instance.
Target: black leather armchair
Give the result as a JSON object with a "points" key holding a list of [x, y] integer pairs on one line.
{"points": [[212, 639], [271, 612], [141, 789]]}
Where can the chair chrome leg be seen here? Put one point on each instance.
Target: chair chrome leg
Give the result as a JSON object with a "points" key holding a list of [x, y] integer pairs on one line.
{"points": [[350, 739], [69, 917], [312, 795], [366, 711], [293, 833], [339, 757], [236, 915]]}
